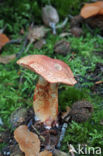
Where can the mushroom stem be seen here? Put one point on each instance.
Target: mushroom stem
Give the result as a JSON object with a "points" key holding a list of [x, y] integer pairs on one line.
{"points": [[45, 102]]}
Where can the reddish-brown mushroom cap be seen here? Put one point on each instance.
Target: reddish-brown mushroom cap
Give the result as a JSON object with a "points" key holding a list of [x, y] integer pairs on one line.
{"points": [[91, 9], [52, 70]]}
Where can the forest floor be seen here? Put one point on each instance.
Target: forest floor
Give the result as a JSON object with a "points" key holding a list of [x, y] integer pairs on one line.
{"points": [[85, 58]]}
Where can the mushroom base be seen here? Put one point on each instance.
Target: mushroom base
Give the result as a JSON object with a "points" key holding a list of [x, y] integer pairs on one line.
{"points": [[45, 102]]}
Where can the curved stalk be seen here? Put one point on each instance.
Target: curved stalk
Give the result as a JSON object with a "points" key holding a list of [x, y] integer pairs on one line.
{"points": [[45, 102]]}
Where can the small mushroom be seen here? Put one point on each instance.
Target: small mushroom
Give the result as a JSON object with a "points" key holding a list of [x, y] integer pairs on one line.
{"points": [[52, 72], [50, 17]]}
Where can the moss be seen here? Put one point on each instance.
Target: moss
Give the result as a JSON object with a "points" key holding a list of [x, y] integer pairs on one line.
{"points": [[70, 95], [14, 94], [26, 12]]}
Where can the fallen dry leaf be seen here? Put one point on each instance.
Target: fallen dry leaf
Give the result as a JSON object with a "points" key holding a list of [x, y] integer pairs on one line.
{"points": [[64, 114], [3, 40], [45, 153], [39, 44], [65, 34], [36, 33], [29, 142], [6, 59], [91, 9]]}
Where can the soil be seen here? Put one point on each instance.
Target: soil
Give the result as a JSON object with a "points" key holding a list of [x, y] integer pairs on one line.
{"points": [[48, 137]]}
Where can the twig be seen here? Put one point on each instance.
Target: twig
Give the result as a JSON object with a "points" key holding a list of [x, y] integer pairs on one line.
{"points": [[28, 46], [22, 50], [63, 130], [89, 28], [15, 41], [62, 24], [70, 16], [3, 29], [36, 131]]}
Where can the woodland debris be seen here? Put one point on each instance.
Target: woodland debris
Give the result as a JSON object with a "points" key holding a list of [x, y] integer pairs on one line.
{"points": [[65, 34], [6, 59], [29, 142], [39, 44], [93, 14], [3, 40], [76, 31], [95, 22], [63, 130], [18, 117], [37, 132], [62, 25], [50, 17], [76, 21], [5, 136], [64, 114], [92, 9], [81, 111], [62, 47], [98, 82], [36, 33], [57, 152], [15, 151], [45, 153]]}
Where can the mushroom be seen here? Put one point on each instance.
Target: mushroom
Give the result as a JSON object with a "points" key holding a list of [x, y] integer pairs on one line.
{"points": [[50, 17], [91, 9], [52, 72]]}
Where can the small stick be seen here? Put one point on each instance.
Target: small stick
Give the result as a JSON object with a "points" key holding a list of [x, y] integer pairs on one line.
{"points": [[3, 29], [63, 130], [36, 131], [89, 28], [28, 46], [22, 50], [62, 24], [15, 41]]}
